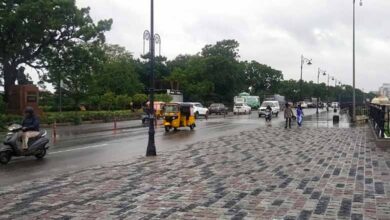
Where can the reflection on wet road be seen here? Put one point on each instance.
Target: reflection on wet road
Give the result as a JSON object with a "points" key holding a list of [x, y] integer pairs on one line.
{"points": [[74, 151]]}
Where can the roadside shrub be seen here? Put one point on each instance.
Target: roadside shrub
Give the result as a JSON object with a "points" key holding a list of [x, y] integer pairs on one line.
{"points": [[73, 117], [123, 101], [5, 120], [139, 100], [95, 102], [108, 100], [80, 116], [76, 119]]}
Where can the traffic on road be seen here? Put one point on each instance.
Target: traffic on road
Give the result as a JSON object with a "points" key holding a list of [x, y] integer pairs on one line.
{"points": [[95, 145]]}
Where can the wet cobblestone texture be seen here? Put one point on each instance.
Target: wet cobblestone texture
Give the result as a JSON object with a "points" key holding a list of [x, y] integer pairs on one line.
{"points": [[315, 173]]}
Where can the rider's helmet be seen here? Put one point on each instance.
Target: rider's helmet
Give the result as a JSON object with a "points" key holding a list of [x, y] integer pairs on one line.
{"points": [[29, 110]]}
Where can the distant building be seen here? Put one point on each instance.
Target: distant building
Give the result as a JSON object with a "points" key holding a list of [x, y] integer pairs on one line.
{"points": [[385, 90]]}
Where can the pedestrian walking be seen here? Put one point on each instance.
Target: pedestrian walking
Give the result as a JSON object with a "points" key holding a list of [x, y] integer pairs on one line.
{"points": [[288, 114], [300, 115]]}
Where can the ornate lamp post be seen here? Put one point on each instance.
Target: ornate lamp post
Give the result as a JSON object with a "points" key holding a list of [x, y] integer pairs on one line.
{"points": [[157, 40], [151, 149], [307, 61], [327, 90]]}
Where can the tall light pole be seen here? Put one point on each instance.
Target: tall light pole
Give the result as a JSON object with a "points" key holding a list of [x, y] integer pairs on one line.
{"points": [[354, 92], [303, 61], [318, 82], [151, 149], [327, 91]]}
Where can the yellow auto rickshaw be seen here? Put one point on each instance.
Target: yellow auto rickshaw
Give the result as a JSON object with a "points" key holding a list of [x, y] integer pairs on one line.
{"points": [[178, 115]]}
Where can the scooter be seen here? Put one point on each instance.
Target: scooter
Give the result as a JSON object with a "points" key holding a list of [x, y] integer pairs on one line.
{"points": [[37, 146], [268, 115]]}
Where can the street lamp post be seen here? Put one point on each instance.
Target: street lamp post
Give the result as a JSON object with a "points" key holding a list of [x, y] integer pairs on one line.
{"points": [[327, 91], [353, 71], [151, 149], [303, 61], [318, 82]]}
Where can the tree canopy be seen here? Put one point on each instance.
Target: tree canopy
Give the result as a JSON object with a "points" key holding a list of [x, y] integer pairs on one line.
{"points": [[68, 49], [33, 31]]}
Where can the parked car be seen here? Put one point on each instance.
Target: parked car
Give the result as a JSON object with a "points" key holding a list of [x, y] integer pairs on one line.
{"points": [[199, 110], [241, 108], [274, 106], [303, 104], [311, 105], [218, 108], [335, 104]]}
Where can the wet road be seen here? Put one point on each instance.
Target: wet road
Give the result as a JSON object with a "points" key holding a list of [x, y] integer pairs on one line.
{"points": [[78, 149]]}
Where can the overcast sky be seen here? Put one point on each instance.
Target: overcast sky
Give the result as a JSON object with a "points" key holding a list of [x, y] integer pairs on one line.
{"points": [[272, 32]]}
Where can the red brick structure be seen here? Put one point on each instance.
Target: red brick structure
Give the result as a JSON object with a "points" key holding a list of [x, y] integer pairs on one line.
{"points": [[21, 96]]}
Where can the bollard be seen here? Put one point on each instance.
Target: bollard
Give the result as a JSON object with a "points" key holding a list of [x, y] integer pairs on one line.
{"points": [[336, 119]]}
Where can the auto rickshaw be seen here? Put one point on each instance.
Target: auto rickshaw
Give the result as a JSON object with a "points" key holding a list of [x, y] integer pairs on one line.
{"points": [[178, 115]]}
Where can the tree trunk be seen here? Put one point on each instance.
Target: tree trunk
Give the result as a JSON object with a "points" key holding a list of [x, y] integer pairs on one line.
{"points": [[10, 74]]}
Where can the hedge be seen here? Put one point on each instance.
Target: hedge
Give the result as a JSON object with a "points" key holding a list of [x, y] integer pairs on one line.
{"points": [[74, 117]]}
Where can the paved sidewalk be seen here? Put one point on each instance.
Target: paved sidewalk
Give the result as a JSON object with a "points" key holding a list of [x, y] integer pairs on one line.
{"points": [[308, 173]]}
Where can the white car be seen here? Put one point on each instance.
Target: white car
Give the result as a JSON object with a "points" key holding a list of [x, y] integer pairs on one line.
{"points": [[241, 108], [199, 110], [303, 104], [335, 105], [274, 106]]}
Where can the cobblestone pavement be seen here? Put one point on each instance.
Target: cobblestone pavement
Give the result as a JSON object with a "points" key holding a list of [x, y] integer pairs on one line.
{"points": [[308, 173]]}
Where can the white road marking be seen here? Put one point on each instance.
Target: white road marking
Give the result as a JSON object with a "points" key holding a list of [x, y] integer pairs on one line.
{"points": [[80, 148]]}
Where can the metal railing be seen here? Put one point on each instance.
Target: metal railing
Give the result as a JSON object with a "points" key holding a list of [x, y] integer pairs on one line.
{"points": [[361, 109], [379, 116]]}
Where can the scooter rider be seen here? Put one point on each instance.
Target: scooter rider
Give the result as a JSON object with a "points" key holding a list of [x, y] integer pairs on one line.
{"points": [[30, 127], [268, 115]]}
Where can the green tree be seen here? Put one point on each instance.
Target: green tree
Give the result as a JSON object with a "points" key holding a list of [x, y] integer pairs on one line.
{"points": [[95, 102], [290, 89], [163, 98], [118, 73], [215, 74], [47, 101], [161, 70], [108, 100], [123, 101], [32, 31], [224, 48], [76, 68], [262, 78], [2, 106]]}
